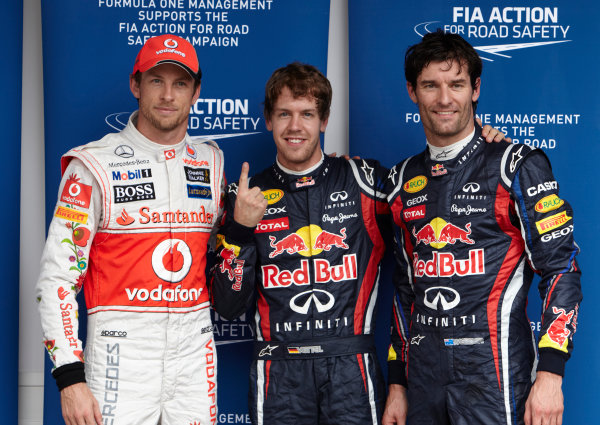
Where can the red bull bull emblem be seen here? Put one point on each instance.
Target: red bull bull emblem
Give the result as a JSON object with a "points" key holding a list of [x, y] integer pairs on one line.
{"points": [[305, 181], [557, 335], [438, 170], [308, 241], [325, 240], [233, 273], [438, 233]]}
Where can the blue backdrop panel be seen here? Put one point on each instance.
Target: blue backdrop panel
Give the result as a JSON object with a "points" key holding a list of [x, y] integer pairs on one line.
{"points": [[89, 50], [538, 86], [11, 32]]}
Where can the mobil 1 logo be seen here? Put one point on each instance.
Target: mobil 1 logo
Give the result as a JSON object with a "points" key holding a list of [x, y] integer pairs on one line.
{"points": [[134, 192]]}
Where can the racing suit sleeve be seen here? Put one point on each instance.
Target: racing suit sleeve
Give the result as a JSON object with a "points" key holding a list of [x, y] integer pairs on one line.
{"points": [[403, 296], [63, 268], [547, 228], [234, 274]]}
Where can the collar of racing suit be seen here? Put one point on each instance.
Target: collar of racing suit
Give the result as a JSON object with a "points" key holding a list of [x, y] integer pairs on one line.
{"points": [[160, 152], [440, 168], [308, 178]]}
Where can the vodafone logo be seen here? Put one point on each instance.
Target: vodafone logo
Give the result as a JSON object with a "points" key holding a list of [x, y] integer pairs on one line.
{"points": [[169, 154], [172, 260], [170, 43], [76, 193]]}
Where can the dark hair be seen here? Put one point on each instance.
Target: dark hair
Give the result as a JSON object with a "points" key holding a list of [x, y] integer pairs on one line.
{"points": [[442, 47], [197, 79], [303, 80]]}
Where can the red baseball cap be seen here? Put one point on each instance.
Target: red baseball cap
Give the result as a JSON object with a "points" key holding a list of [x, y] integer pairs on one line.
{"points": [[168, 48]]}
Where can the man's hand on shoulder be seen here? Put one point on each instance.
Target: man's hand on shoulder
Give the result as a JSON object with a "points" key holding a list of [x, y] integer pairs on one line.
{"points": [[396, 406], [544, 405], [79, 406], [250, 204], [492, 134]]}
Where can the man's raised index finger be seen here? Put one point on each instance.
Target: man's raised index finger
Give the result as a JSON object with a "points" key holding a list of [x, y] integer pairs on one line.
{"points": [[243, 183]]}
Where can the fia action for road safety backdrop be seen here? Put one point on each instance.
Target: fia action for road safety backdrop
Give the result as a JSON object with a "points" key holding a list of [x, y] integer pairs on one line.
{"points": [[89, 48], [540, 86], [11, 32]]}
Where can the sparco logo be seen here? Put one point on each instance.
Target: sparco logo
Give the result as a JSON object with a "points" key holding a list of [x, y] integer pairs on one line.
{"points": [[442, 296], [118, 334], [124, 151], [322, 300], [134, 192]]}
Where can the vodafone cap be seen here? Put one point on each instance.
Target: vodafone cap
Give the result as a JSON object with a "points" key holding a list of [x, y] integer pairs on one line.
{"points": [[168, 48]]}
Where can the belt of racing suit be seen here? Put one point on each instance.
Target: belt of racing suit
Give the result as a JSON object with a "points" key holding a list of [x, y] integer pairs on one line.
{"points": [[314, 348]]}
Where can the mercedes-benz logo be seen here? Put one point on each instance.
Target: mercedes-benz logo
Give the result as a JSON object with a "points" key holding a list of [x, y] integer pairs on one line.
{"points": [[338, 196], [124, 151], [471, 187], [308, 297], [447, 297]]}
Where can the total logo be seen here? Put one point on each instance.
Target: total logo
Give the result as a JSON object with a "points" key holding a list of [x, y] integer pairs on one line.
{"points": [[324, 271], [441, 296], [438, 233], [307, 241], [172, 260]]}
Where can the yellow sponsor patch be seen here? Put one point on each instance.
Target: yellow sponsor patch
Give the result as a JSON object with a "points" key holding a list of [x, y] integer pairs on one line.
{"points": [[548, 203], [236, 249], [415, 184], [273, 195], [71, 215], [546, 341], [552, 222], [392, 354]]}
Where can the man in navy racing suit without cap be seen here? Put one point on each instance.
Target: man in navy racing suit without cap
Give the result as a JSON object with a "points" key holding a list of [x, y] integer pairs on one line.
{"points": [[132, 223], [473, 221], [306, 236]]}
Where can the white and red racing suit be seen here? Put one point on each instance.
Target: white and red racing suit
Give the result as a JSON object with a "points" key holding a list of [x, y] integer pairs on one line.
{"points": [[131, 226]]}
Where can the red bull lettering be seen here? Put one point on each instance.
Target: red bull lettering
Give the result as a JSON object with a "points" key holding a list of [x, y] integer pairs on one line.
{"points": [[325, 272], [275, 278], [443, 264], [233, 273]]}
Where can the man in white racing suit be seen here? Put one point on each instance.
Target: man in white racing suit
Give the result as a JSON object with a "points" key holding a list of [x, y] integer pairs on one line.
{"points": [[132, 223]]}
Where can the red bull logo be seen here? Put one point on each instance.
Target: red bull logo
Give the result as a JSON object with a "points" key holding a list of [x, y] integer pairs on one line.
{"points": [[324, 271], [438, 233], [308, 241], [558, 334], [305, 181], [236, 273], [444, 264], [438, 170], [326, 240], [291, 244]]}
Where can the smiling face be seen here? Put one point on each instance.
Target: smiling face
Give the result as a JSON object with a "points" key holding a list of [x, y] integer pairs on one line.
{"points": [[445, 99], [296, 128], [165, 93]]}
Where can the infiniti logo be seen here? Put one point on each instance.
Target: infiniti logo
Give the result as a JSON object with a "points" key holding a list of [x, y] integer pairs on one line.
{"points": [[447, 297], [338, 196], [471, 187], [308, 297]]}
